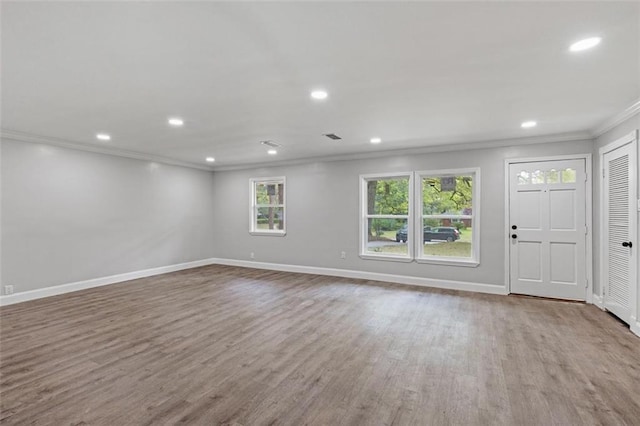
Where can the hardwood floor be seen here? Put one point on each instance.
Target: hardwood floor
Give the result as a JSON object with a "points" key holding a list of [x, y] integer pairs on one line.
{"points": [[227, 345]]}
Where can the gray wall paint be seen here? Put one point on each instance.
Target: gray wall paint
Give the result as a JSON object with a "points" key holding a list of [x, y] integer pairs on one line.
{"points": [[322, 211], [71, 215], [619, 131]]}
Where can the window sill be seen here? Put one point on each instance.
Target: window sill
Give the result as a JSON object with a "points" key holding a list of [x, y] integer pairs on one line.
{"points": [[386, 258], [268, 234], [449, 262]]}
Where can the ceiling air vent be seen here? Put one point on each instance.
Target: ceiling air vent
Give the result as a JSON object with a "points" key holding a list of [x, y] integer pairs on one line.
{"points": [[272, 144], [332, 136]]}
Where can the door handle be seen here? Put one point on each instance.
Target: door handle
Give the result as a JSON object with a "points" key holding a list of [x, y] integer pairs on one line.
{"points": [[627, 244], [514, 227], [514, 236]]}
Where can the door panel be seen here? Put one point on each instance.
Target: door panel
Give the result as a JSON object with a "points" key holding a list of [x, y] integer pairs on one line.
{"points": [[529, 265], [529, 209], [619, 217], [564, 262], [562, 209], [548, 244]]}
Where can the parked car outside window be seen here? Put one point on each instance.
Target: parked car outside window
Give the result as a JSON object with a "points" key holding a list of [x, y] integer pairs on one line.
{"points": [[442, 233]]}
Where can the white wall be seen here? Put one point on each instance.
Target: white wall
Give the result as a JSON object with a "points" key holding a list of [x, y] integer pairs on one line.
{"points": [[322, 211], [70, 215], [617, 132]]}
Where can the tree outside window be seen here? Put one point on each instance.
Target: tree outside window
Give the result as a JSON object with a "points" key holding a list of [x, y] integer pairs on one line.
{"points": [[268, 205]]}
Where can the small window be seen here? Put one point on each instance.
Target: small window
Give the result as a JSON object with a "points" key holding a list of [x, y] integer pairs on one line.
{"points": [[569, 175], [524, 178], [268, 210], [385, 221], [537, 177], [553, 176]]}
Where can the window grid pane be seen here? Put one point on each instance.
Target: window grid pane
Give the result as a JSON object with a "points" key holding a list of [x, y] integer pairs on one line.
{"points": [[388, 196], [447, 195], [387, 236], [447, 238]]}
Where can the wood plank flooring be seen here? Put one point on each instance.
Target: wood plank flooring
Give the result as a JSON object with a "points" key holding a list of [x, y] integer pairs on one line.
{"points": [[237, 346]]}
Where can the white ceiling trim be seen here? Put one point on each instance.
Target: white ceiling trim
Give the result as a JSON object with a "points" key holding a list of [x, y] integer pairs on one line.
{"points": [[616, 119], [493, 143], [31, 138]]}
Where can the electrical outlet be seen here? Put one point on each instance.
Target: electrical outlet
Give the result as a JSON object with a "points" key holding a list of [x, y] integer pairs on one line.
{"points": [[8, 289], [252, 255], [343, 255]]}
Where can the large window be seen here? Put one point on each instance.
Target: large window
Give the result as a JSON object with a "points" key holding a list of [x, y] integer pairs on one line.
{"points": [[386, 207], [435, 223], [268, 206], [448, 209]]}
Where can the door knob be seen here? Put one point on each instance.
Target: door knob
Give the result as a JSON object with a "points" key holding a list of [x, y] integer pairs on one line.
{"points": [[514, 227], [514, 236], [627, 244]]}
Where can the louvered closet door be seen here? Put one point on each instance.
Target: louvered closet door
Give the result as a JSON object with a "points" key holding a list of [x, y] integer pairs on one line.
{"points": [[619, 199]]}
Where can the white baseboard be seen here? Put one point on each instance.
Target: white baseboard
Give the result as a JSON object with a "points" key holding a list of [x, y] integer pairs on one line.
{"points": [[597, 300], [98, 282], [634, 326], [374, 276]]}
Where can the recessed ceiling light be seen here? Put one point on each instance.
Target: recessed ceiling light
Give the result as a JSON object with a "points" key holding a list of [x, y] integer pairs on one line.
{"points": [[375, 140], [210, 159], [272, 152], [319, 94], [103, 137], [176, 122], [585, 44], [528, 124]]}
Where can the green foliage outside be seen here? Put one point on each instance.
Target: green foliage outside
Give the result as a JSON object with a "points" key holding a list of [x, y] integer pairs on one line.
{"points": [[391, 196], [436, 201]]}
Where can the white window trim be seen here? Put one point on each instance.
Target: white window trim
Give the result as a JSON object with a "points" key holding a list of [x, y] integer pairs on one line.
{"points": [[254, 206], [474, 261], [364, 216], [414, 218]]}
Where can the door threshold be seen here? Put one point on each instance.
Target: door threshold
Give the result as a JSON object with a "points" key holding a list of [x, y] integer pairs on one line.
{"points": [[555, 299]]}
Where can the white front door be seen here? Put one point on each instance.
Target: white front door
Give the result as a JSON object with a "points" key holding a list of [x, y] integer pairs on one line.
{"points": [[547, 220], [619, 217]]}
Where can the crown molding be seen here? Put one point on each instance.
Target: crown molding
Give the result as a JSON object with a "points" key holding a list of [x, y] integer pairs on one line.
{"points": [[616, 119], [440, 147], [31, 138]]}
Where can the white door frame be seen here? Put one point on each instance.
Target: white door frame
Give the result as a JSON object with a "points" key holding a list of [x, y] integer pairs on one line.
{"points": [[635, 308], [588, 215]]}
